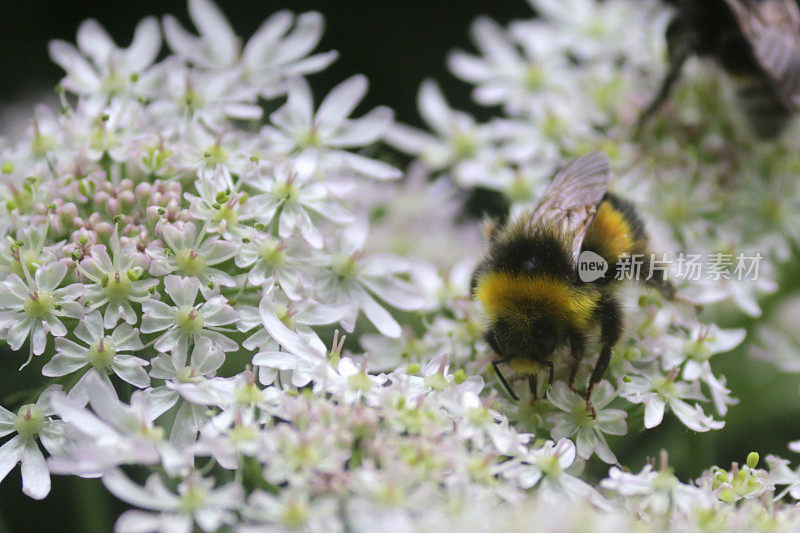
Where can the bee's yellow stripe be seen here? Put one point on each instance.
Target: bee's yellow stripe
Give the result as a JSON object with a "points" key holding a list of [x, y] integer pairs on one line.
{"points": [[508, 295], [611, 233]]}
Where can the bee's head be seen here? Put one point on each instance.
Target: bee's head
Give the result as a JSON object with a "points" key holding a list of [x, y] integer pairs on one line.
{"points": [[524, 337]]}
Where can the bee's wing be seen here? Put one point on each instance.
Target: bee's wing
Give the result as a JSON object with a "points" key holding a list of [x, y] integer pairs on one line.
{"points": [[571, 200], [772, 27]]}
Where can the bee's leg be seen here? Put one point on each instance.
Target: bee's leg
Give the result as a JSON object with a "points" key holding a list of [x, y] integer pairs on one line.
{"points": [[495, 364], [551, 370], [609, 313], [577, 345], [533, 384], [675, 66], [659, 282], [502, 378]]}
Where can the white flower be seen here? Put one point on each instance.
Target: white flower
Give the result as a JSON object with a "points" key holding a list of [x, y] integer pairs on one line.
{"points": [[115, 280], [276, 51], [291, 195], [194, 254], [34, 308], [220, 206], [30, 422], [545, 467], [184, 320], [656, 391], [457, 136], [575, 420], [522, 83], [112, 433], [197, 501], [655, 492], [351, 277], [104, 353], [109, 70], [205, 360], [275, 261], [328, 132]]}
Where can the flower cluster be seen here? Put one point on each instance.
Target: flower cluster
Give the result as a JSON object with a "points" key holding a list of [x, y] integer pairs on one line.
{"points": [[181, 267]]}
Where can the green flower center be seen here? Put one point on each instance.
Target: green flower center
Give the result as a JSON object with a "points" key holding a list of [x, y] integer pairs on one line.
{"points": [[216, 153], [344, 266], [242, 433], [534, 78], [287, 192], [665, 388], [226, 213], [190, 262], [248, 395], [464, 145], [192, 100], [550, 466], [309, 139], [102, 352], [272, 253], [29, 420], [42, 144], [39, 303], [116, 286], [285, 315], [193, 499], [189, 320], [294, 515], [186, 374]]}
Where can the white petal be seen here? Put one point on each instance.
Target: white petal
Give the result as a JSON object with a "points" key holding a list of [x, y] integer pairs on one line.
{"points": [[145, 45], [10, 454], [341, 101], [370, 167], [94, 41], [35, 476], [379, 316], [363, 131], [215, 30], [259, 46], [654, 412]]}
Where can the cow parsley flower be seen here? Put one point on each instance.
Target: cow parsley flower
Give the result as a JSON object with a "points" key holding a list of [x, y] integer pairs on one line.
{"points": [[194, 254], [655, 492], [656, 391], [34, 308], [351, 277], [116, 280], [197, 501], [99, 68], [103, 353], [291, 195], [32, 421], [574, 420], [186, 320], [276, 51], [329, 131]]}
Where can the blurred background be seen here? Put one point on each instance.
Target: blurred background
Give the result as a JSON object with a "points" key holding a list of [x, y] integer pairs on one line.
{"points": [[396, 44]]}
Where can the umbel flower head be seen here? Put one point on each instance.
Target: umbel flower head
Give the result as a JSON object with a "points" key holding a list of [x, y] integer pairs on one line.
{"points": [[184, 265]]}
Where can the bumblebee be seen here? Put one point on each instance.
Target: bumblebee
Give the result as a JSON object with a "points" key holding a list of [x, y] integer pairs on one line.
{"points": [[529, 284], [757, 42]]}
